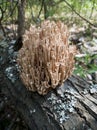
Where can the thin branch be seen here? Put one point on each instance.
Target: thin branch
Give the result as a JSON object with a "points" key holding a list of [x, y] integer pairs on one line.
{"points": [[45, 9], [40, 9], [12, 11], [2, 14], [79, 14]]}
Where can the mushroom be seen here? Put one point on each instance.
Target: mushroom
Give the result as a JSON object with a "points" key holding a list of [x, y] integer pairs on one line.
{"points": [[46, 58]]}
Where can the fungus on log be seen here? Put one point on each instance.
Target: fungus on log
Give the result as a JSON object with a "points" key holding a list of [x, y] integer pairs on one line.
{"points": [[46, 59]]}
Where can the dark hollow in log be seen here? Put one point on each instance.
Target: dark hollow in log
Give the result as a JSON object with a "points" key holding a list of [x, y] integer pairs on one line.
{"points": [[73, 106]]}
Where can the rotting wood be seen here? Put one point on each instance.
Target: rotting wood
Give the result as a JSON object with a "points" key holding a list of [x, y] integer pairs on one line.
{"points": [[44, 112], [90, 120]]}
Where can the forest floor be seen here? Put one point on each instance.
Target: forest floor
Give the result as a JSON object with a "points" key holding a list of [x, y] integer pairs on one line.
{"points": [[85, 39]]}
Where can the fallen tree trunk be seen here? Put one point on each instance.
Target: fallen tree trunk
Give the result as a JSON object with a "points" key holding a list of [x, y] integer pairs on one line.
{"points": [[72, 106]]}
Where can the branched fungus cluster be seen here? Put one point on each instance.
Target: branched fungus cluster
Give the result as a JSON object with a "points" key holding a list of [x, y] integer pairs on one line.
{"points": [[46, 59]]}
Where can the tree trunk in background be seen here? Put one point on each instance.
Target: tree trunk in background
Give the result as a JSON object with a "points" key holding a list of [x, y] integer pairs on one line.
{"points": [[21, 17]]}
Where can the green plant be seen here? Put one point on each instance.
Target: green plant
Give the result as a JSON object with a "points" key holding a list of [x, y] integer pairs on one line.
{"points": [[85, 65]]}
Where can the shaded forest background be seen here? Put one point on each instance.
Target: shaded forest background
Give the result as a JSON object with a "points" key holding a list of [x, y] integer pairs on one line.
{"points": [[70, 12]]}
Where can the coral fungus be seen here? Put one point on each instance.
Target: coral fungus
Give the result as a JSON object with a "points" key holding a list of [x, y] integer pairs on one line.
{"points": [[46, 59]]}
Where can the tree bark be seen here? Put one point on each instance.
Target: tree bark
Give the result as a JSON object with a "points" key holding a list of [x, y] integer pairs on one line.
{"points": [[71, 106], [21, 17]]}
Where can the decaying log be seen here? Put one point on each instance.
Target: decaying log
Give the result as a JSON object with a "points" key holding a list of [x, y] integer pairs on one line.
{"points": [[72, 106]]}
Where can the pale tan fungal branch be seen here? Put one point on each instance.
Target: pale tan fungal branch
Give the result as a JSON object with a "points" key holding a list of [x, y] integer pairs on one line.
{"points": [[46, 59]]}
